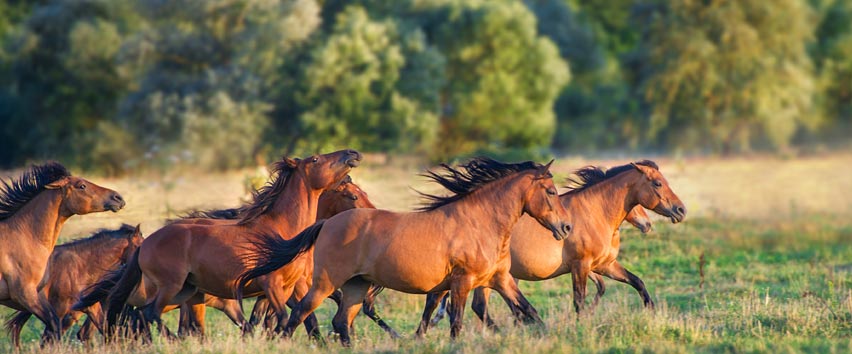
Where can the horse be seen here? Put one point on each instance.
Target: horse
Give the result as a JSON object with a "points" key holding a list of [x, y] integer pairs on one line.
{"points": [[33, 209], [636, 217], [345, 196], [72, 267], [181, 259], [605, 197], [456, 242]]}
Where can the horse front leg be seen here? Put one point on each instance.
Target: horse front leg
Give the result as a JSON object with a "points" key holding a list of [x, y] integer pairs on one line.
{"points": [[579, 278], [479, 304], [523, 311], [601, 287], [617, 272], [369, 309], [432, 301], [460, 287]]}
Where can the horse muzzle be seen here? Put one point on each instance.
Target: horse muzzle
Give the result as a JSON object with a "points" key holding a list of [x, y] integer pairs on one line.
{"points": [[561, 231], [115, 203], [677, 213], [353, 158]]}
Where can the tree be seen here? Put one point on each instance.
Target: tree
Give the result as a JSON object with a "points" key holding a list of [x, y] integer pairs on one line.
{"points": [[726, 74], [502, 79]]}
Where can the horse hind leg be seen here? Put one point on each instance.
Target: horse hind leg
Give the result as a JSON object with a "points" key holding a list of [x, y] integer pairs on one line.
{"points": [[369, 309], [479, 305], [354, 292], [311, 325]]}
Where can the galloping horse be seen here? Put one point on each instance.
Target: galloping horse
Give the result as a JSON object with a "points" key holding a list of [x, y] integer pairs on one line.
{"points": [[180, 259], [636, 217], [33, 209], [457, 242], [72, 267], [604, 198]]}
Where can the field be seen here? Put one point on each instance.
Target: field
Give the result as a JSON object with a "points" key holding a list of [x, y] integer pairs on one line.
{"points": [[774, 233]]}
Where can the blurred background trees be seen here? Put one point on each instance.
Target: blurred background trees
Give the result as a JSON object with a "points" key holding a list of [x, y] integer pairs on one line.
{"points": [[115, 85]]}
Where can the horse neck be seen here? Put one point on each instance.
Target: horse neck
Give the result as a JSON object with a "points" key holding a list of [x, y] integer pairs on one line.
{"points": [[612, 198], [41, 218], [103, 254], [295, 208], [493, 208]]}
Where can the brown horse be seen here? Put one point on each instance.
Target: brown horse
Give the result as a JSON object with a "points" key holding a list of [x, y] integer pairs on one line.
{"points": [[33, 209], [75, 265], [457, 242], [605, 198], [636, 217], [345, 196], [181, 259]]}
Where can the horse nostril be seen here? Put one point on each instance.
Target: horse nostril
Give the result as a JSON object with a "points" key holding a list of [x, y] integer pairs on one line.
{"points": [[566, 228], [117, 197], [680, 210]]}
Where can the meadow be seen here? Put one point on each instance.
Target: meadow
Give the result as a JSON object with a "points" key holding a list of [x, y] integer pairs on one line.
{"points": [[763, 263]]}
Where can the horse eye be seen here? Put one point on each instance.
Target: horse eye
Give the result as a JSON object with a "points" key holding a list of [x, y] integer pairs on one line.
{"points": [[354, 197], [315, 159], [81, 186], [551, 191], [658, 184]]}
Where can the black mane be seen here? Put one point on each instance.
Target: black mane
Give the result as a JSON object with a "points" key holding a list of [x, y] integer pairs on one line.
{"points": [[477, 172], [265, 197], [101, 235], [591, 175], [14, 193]]}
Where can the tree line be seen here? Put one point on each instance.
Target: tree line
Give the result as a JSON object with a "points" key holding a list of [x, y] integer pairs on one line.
{"points": [[113, 85]]}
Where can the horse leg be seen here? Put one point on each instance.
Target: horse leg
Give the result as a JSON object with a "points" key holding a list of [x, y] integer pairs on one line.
{"points": [[86, 329], [231, 308], [311, 325], [601, 287], [320, 290], [579, 277], [459, 289], [369, 309], [35, 303], [522, 310], [95, 317], [354, 292], [16, 328], [617, 272], [432, 300], [277, 295], [479, 304], [442, 311], [166, 293], [259, 311]]}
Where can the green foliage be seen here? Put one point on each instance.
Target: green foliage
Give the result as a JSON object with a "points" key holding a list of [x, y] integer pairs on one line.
{"points": [[725, 75]]}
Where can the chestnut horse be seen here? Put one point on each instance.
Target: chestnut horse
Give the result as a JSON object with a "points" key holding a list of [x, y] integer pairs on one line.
{"points": [[33, 209], [457, 242], [605, 197], [72, 267], [181, 259], [636, 217]]}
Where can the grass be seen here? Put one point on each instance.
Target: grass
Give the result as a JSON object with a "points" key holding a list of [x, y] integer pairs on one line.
{"points": [[778, 281]]}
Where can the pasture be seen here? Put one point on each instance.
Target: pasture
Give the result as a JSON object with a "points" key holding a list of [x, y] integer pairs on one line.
{"points": [[763, 263]]}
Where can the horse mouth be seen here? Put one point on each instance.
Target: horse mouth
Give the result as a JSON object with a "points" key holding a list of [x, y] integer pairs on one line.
{"points": [[114, 207], [353, 163]]}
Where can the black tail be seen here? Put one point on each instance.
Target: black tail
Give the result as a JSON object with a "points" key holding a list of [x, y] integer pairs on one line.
{"points": [[130, 278], [99, 291], [271, 252], [15, 324]]}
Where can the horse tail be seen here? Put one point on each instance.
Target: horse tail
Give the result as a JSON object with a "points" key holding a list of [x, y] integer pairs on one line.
{"points": [[98, 291], [15, 324], [130, 278], [271, 252]]}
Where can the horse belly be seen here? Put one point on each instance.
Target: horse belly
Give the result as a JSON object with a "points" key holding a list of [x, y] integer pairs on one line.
{"points": [[410, 272], [536, 255]]}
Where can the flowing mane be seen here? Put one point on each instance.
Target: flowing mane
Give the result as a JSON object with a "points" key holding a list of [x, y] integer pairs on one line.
{"points": [[591, 175], [14, 193], [101, 235], [264, 198], [477, 172]]}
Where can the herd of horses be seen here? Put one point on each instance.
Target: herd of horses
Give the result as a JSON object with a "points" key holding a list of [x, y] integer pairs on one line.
{"points": [[310, 234]]}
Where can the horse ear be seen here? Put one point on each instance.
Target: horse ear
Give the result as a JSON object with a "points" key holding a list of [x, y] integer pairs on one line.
{"points": [[544, 171], [138, 229], [292, 163], [644, 169], [57, 184]]}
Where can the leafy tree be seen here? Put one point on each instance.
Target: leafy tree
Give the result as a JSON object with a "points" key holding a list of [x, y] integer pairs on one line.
{"points": [[727, 74], [502, 79]]}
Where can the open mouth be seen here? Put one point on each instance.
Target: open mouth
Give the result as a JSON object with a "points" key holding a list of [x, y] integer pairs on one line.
{"points": [[113, 207]]}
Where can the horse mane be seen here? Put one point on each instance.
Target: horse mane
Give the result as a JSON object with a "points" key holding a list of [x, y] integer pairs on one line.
{"points": [[591, 175], [218, 214], [477, 172], [14, 193], [264, 198], [99, 236]]}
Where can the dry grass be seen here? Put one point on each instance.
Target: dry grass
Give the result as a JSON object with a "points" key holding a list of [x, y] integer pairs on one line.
{"points": [[775, 233]]}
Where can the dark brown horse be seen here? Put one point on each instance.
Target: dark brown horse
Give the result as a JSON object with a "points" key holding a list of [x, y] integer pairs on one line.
{"points": [[456, 243], [76, 265], [636, 217], [181, 259], [33, 209], [604, 198]]}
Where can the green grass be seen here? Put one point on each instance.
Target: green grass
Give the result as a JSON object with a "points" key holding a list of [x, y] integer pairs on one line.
{"points": [[769, 286]]}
